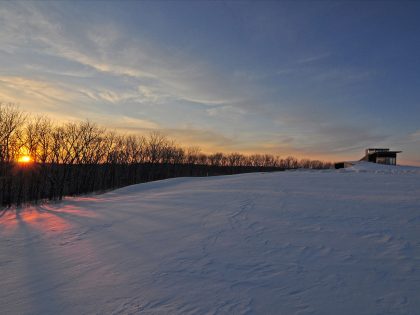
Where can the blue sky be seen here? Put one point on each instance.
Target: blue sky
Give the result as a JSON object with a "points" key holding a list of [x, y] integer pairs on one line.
{"points": [[310, 79]]}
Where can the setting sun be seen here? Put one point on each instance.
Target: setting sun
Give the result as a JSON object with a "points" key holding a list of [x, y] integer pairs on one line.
{"points": [[25, 159]]}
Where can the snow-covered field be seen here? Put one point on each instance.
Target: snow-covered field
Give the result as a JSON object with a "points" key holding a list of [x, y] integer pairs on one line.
{"points": [[298, 242]]}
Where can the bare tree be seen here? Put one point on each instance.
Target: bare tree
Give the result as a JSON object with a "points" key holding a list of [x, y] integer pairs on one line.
{"points": [[11, 125], [81, 157]]}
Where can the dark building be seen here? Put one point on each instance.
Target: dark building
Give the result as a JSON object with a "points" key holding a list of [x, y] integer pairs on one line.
{"points": [[381, 156], [343, 164], [374, 155]]}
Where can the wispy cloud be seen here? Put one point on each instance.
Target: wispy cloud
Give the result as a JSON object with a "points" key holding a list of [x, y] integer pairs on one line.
{"points": [[176, 75], [225, 110], [415, 136], [344, 75], [141, 72], [314, 58], [16, 89], [127, 124]]}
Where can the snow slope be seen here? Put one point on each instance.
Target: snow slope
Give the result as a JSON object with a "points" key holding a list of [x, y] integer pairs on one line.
{"points": [[302, 242]]}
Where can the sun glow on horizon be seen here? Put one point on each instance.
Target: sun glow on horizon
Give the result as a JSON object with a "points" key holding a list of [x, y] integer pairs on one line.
{"points": [[25, 159]]}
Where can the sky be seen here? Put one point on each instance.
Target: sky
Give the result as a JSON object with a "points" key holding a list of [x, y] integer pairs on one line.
{"points": [[316, 79]]}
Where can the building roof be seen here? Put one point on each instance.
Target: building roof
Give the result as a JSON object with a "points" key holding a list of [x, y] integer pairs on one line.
{"points": [[384, 152]]}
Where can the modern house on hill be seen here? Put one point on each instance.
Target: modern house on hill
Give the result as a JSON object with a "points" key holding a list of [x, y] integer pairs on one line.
{"points": [[375, 155], [381, 156]]}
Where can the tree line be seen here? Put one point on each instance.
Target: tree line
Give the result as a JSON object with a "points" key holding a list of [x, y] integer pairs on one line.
{"points": [[74, 158]]}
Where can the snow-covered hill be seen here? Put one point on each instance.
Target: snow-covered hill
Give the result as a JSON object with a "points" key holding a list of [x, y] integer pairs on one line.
{"points": [[302, 242]]}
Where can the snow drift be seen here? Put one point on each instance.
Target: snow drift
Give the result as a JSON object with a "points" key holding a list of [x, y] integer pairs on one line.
{"points": [[303, 242]]}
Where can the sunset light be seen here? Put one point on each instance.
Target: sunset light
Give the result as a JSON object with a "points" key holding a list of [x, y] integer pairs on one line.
{"points": [[24, 159]]}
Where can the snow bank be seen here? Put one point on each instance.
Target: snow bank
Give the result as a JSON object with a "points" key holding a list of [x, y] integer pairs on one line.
{"points": [[363, 167], [331, 242]]}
